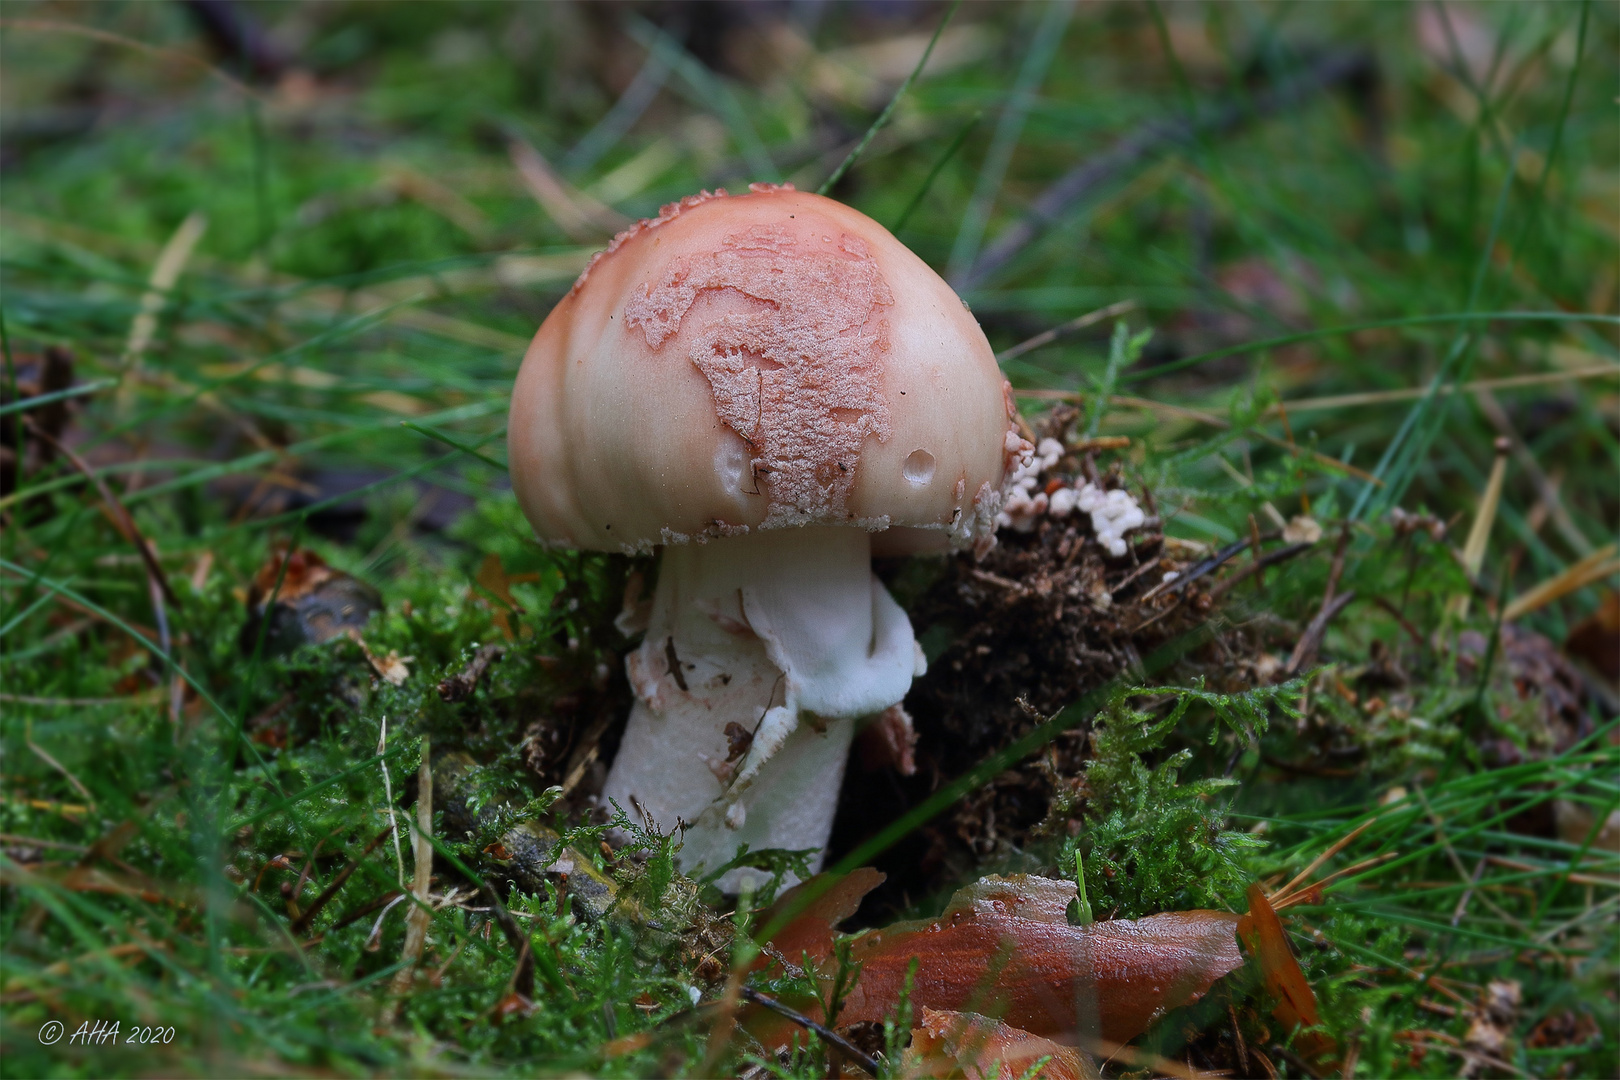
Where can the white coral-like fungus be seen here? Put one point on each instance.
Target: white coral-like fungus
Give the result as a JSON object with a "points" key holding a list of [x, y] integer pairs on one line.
{"points": [[1113, 514]]}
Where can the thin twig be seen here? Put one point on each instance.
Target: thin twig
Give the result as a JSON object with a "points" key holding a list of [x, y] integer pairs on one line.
{"points": [[1250, 569], [1332, 604], [827, 1035], [461, 685], [301, 923]]}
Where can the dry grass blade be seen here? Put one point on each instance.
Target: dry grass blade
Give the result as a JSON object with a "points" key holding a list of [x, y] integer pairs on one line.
{"points": [[1385, 397], [1594, 567], [39, 752], [117, 513], [1479, 534], [1281, 895], [1311, 894], [1166, 409], [165, 273], [1107, 1051], [1090, 318], [421, 913], [579, 215], [168, 56]]}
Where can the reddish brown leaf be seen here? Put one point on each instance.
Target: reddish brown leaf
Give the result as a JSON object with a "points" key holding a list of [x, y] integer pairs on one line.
{"points": [[812, 929], [1596, 638], [1004, 946], [1263, 936], [512, 1005], [979, 1048]]}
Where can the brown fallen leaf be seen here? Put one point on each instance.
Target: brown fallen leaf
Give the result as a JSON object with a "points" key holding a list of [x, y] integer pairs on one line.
{"points": [[979, 1048], [306, 602], [1263, 936], [1596, 638], [1005, 946], [812, 930]]}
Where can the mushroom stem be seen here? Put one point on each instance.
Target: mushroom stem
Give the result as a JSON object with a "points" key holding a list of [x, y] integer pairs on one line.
{"points": [[786, 634]]}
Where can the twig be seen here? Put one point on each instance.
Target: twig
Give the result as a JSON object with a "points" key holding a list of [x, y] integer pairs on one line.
{"points": [[34, 841], [826, 1034], [1406, 624], [1311, 640], [1270, 558], [1093, 174], [366, 909], [1456, 863], [1090, 318], [1200, 569], [1468, 893], [1579, 879], [301, 923], [168, 56], [460, 686], [1332, 604]]}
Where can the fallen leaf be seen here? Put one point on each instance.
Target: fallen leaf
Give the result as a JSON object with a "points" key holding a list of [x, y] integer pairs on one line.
{"points": [[512, 1005], [313, 603], [979, 1048], [1005, 946], [812, 929], [1263, 936], [1596, 638]]}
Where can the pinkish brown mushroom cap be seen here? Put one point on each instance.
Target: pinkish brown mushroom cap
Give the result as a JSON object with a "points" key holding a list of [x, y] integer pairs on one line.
{"points": [[759, 361]]}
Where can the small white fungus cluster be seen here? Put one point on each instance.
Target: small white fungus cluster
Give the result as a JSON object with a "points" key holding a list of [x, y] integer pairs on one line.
{"points": [[1113, 513], [1023, 503]]}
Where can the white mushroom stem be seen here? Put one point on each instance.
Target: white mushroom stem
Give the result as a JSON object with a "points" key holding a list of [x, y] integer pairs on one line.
{"points": [[785, 633]]}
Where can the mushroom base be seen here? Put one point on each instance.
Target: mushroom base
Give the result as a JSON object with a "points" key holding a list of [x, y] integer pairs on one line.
{"points": [[761, 652]]}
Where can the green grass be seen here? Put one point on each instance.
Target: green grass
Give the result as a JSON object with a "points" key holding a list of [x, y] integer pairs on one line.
{"points": [[352, 307]]}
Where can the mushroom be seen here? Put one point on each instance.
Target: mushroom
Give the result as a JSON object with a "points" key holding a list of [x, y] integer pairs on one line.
{"points": [[770, 388]]}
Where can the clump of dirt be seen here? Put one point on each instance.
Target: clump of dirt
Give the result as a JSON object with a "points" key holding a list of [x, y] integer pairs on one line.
{"points": [[1046, 616]]}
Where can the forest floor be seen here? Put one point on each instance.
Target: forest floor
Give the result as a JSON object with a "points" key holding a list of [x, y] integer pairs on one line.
{"points": [[1332, 291]]}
